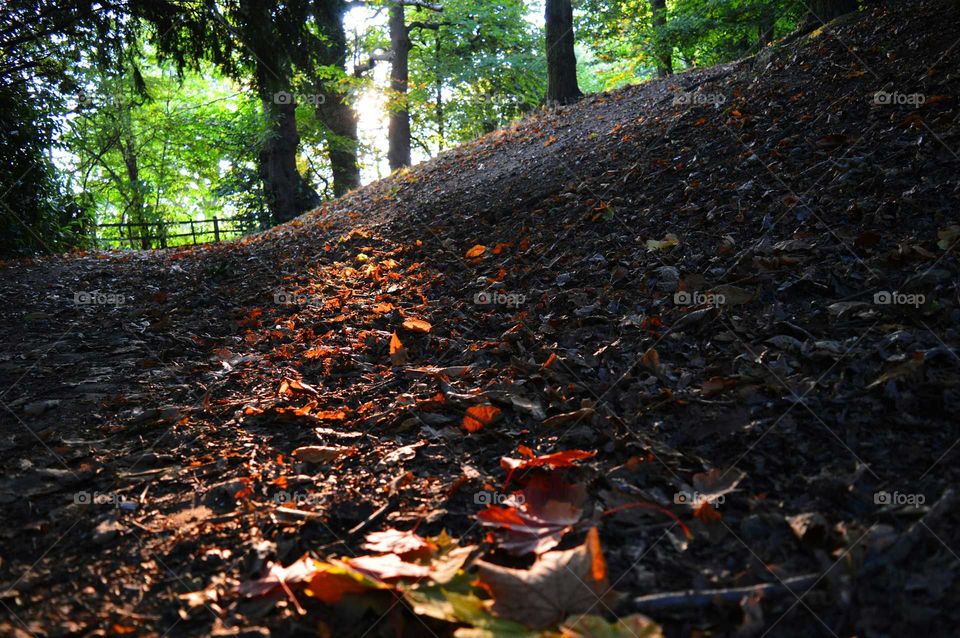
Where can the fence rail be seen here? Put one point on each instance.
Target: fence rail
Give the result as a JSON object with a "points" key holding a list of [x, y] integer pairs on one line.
{"points": [[156, 235]]}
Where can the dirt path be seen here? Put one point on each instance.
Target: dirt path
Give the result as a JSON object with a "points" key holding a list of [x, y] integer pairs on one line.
{"points": [[686, 288]]}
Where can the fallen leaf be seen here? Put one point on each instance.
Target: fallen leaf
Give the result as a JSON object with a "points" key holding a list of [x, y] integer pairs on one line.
{"points": [[706, 513], [479, 417], [388, 567], [476, 251], [398, 354], [277, 576], [669, 241], [591, 626], [536, 518], [559, 584], [321, 453], [715, 385], [417, 325], [564, 458], [650, 360], [294, 386], [330, 582], [394, 541], [947, 237]]}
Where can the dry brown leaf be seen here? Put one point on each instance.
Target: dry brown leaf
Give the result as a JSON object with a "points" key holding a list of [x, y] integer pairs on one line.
{"points": [[559, 584], [321, 453]]}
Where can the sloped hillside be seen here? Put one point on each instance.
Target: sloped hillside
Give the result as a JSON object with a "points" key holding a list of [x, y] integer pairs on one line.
{"points": [[727, 301]]}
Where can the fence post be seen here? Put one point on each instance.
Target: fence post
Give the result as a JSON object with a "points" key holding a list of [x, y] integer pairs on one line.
{"points": [[216, 229], [193, 231]]}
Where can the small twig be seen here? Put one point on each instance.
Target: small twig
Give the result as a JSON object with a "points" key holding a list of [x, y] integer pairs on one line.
{"points": [[693, 599], [386, 507]]}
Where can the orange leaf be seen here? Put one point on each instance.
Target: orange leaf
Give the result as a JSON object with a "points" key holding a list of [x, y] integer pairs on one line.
{"points": [[417, 325], [706, 513], [330, 587], [398, 354], [564, 458], [480, 416], [598, 566], [476, 251], [651, 359]]}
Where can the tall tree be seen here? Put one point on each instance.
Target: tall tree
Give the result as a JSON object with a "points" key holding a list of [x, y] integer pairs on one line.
{"points": [[398, 152], [662, 47], [562, 85], [259, 42], [262, 25], [334, 109]]}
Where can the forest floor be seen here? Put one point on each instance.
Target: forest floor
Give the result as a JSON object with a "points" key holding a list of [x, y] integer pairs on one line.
{"points": [[699, 333]]}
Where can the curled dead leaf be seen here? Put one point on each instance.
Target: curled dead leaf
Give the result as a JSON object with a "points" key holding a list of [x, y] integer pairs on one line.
{"points": [[417, 325], [321, 453]]}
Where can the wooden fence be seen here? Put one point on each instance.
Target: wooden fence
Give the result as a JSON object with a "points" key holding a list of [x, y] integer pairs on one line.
{"points": [[145, 235]]}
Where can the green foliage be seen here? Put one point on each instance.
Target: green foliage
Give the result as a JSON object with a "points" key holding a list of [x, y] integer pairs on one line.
{"points": [[36, 214], [484, 63], [699, 32], [148, 146]]}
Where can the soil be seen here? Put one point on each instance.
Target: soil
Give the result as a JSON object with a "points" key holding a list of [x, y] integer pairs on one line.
{"points": [[750, 269]]}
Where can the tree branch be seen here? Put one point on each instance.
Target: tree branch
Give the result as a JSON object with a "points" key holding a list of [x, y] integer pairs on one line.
{"points": [[421, 4]]}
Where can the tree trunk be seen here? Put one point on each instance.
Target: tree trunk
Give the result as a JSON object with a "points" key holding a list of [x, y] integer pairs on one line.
{"points": [[439, 102], [342, 141], [768, 22], [137, 205], [398, 153], [823, 11], [562, 85], [662, 49], [334, 110], [287, 193]]}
